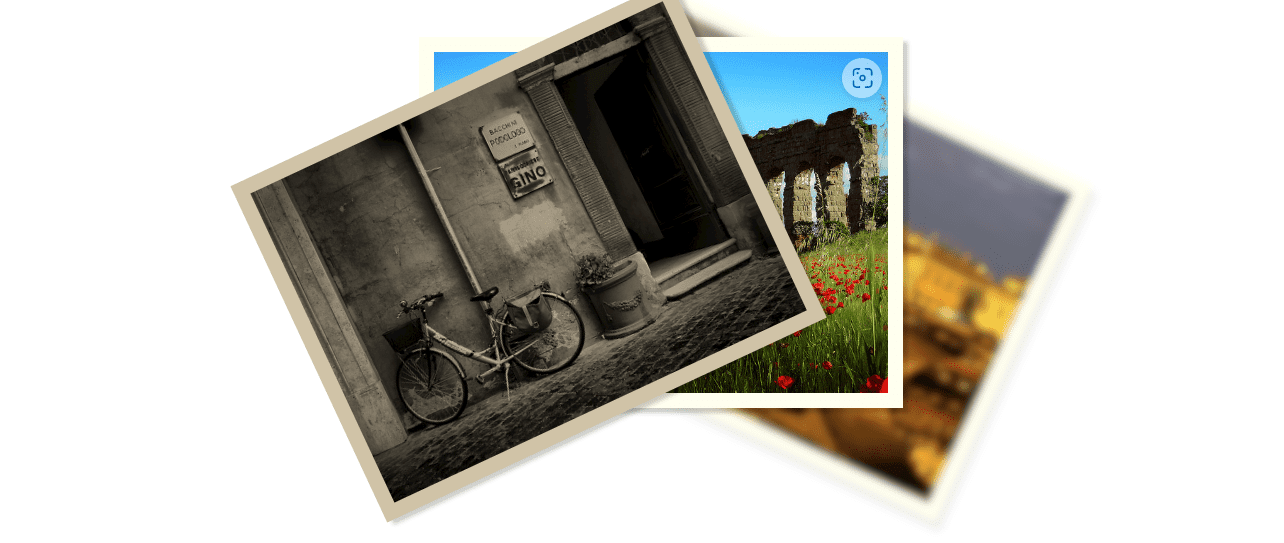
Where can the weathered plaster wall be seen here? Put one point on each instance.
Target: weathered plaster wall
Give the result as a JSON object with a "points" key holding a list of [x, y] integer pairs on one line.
{"points": [[375, 226], [511, 243]]}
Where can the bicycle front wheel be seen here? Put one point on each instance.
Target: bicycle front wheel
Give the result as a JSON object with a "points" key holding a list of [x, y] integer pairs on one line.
{"points": [[432, 385], [550, 349]]}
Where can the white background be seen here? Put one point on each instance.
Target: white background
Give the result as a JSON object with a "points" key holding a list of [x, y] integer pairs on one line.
{"points": [[155, 387]]}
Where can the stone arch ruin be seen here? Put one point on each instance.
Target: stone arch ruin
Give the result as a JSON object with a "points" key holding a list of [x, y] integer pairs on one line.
{"points": [[789, 155]]}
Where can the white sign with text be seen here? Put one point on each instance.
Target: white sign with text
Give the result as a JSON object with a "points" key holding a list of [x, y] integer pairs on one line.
{"points": [[507, 136]]}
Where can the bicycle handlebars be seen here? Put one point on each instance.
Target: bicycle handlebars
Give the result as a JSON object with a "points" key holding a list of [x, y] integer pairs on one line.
{"points": [[423, 301]]}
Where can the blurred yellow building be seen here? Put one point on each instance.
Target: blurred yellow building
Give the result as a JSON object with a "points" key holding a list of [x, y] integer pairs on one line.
{"points": [[952, 309], [951, 287]]}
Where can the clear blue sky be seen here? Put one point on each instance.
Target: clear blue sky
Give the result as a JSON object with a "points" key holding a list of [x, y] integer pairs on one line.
{"points": [[764, 90]]}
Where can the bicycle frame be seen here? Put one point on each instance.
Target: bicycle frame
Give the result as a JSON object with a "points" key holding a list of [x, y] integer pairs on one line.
{"points": [[496, 326]]}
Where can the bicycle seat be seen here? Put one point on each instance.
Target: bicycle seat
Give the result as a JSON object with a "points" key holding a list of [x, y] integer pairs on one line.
{"points": [[485, 296]]}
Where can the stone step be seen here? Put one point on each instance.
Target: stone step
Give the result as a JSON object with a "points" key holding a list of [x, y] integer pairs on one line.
{"points": [[671, 271], [707, 274]]}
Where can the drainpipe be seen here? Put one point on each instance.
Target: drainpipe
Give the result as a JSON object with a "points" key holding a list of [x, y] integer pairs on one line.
{"points": [[441, 213]]}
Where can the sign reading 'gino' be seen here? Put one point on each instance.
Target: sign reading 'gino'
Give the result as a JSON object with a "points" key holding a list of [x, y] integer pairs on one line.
{"points": [[525, 172], [507, 136], [513, 148]]}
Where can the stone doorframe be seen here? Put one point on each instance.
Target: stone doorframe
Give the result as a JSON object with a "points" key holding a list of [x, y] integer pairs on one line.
{"points": [[714, 158], [344, 349]]}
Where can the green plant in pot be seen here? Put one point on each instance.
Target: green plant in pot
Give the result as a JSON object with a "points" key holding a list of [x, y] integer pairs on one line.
{"points": [[615, 289]]}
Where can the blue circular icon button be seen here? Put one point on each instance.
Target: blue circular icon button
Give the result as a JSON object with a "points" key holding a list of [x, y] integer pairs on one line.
{"points": [[862, 78]]}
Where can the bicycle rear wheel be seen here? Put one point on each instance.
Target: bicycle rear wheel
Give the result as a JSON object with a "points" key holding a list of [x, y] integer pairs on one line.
{"points": [[554, 347], [432, 386]]}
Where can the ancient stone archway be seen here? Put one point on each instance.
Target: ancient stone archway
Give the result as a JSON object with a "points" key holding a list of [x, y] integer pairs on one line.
{"points": [[789, 155]]}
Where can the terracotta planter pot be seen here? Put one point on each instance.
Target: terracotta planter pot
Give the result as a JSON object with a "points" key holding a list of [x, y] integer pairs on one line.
{"points": [[620, 302]]}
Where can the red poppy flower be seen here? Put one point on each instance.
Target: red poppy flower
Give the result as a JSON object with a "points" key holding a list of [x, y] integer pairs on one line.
{"points": [[864, 297], [830, 310], [866, 282], [784, 381], [874, 383], [827, 365]]}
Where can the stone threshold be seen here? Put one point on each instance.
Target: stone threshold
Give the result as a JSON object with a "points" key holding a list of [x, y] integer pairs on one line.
{"points": [[670, 271], [707, 274]]}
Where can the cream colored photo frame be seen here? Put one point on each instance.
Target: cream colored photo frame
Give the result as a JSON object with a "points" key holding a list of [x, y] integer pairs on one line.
{"points": [[369, 422]]}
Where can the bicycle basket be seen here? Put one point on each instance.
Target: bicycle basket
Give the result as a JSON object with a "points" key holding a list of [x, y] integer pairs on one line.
{"points": [[530, 312], [405, 336]]}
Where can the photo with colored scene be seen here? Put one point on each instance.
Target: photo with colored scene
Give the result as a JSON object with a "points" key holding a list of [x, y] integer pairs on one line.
{"points": [[781, 100]]}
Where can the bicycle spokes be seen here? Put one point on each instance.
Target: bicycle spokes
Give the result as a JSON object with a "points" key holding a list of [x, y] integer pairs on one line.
{"points": [[552, 348], [432, 388]]}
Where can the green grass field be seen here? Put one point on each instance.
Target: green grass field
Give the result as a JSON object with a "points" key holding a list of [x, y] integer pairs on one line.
{"points": [[837, 354]]}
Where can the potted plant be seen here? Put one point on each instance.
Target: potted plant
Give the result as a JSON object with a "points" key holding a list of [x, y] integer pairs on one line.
{"points": [[616, 292]]}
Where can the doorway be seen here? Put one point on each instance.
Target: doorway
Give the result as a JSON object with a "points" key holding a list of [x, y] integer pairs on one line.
{"points": [[642, 157]]}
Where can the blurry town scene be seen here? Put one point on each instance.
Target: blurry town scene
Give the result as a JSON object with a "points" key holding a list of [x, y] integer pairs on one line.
{"points": [[959, 304]]}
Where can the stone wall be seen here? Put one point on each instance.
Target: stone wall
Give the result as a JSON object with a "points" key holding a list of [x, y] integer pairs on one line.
{"points": [[788, 156], [375, 227]]}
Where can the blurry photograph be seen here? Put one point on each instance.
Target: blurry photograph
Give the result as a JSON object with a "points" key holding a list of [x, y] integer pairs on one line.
{"points": [[822, 121], [478, 275]]}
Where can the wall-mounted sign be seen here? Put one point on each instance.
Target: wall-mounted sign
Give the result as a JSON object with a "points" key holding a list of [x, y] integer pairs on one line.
{"points": [[525, 172], [507, 136]]}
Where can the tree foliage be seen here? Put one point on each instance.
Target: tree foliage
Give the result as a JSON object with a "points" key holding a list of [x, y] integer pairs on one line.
{"points": [[878, 207]]}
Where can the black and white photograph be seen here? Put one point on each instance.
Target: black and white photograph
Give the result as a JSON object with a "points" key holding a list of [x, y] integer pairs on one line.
{"points": [[526, 253]]}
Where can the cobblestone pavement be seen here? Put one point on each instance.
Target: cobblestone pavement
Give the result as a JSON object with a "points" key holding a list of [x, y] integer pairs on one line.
{"points": [[745, 301]]}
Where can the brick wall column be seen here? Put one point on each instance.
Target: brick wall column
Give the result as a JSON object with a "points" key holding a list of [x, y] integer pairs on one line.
{"points": [[797, 201], [694, 112], [588, 182], [868, 170], [831, 202], [773, 186]]}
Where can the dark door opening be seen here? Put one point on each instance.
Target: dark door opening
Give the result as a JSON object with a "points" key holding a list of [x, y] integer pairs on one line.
{"points": [[651, 147]]}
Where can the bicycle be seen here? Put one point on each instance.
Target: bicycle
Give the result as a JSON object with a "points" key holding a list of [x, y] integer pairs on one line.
{"points": [[545, 336]]}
